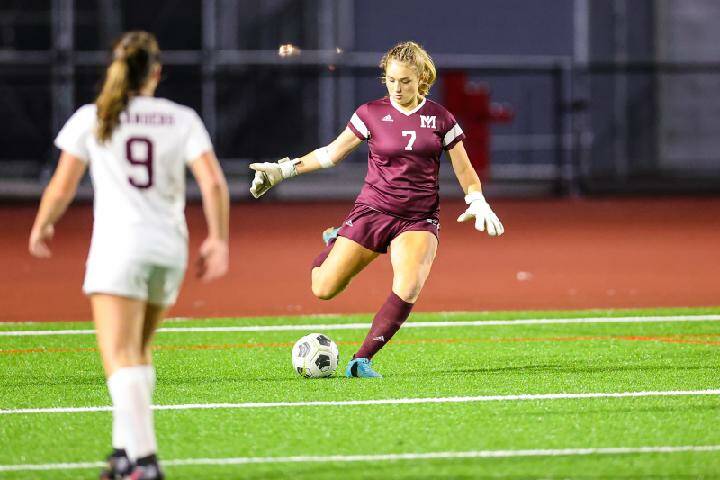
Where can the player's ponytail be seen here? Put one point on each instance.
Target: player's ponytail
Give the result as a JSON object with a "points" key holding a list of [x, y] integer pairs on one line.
{"points": [[134, 55], [414, 55]]}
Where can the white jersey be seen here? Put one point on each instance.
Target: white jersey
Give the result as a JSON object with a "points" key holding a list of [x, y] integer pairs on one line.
{"points": [[139, 178]]}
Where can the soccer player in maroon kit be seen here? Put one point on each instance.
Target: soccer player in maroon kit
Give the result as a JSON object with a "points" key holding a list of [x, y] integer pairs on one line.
{"points": [[398, 204]]}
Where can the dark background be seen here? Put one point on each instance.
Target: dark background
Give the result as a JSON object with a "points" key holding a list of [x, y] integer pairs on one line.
{"points": [[609, 96]]}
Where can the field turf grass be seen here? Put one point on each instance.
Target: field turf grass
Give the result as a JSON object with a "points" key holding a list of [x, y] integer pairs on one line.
{"points": [[241, 441]]}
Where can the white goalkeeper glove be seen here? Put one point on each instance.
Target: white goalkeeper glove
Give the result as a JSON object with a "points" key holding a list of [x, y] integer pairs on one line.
{"points": [[483, 215], [269, 174]]}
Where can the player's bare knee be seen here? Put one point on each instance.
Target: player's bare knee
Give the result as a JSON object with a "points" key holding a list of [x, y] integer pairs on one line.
{"points": [[409, 298], [323, 293], [410, 292], [327, 290], [324, 287], [324, 290]]}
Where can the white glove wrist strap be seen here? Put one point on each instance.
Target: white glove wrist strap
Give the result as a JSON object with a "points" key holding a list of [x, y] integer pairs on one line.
{"points": [[287, 168], [474, 197]]}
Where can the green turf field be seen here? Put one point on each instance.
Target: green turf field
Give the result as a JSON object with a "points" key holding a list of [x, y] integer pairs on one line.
{"points": [[492, 399]]}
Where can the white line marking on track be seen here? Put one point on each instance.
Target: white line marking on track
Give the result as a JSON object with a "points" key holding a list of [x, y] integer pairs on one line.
{"points": [[364, 326], [562, 452], [389, 401]]}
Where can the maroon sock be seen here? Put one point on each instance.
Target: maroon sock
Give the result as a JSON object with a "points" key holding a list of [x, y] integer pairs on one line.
{"points": [[386, 322], [323, 255]]}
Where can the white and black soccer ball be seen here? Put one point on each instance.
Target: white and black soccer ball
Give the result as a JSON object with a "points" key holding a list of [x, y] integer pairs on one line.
{"points": [[315, 356]]}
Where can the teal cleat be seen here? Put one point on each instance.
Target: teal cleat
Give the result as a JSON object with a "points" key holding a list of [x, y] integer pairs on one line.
{"points": [[330, 235], [361, 368]]}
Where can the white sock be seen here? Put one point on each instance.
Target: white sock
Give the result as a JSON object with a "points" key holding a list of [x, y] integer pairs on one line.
{"points": [[119, 434], [150, 379], [130, 395]]}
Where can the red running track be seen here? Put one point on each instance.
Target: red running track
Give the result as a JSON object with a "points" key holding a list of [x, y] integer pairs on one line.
{"points": [[556, 254]]}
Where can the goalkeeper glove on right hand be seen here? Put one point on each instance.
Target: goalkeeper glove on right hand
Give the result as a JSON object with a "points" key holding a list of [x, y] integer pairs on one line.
{"points": [[269, 174]]}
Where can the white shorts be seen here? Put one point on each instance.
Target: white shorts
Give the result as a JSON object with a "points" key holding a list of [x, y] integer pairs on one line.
{"points": [[158, 285]]}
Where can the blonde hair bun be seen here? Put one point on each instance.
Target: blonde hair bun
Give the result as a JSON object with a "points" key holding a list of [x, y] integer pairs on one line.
{"points": [[413, 54]]}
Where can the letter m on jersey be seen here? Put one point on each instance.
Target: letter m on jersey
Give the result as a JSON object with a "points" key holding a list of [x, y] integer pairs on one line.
{"points": [[427, 121]]}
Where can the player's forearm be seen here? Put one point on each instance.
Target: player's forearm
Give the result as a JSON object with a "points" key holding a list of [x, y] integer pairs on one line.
{"points": [[216, 207], [308, 163], [331, 155], [269, 174], [315, 160], [469, 180], [53, 204]]}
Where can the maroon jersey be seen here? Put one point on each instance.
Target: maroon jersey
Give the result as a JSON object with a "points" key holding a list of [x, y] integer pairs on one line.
{"points": [[404, 155]]}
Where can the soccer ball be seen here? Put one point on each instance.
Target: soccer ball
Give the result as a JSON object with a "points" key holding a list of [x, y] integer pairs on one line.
{"points": [[315, 356]]}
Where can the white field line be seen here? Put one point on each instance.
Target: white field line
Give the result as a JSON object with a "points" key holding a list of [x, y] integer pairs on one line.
{"points": [[364, 326], [562, 452], [389, 401]]}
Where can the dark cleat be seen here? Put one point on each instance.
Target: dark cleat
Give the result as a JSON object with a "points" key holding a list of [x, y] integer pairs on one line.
{"points": [[118, 466], [146, 468]]}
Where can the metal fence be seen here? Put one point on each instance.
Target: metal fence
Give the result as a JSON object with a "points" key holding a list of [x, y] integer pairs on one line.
{"points": [[578, 128]]}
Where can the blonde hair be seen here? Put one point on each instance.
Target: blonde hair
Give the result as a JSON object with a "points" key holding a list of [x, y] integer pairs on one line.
{"points": [[134, 55], [414, 55]]}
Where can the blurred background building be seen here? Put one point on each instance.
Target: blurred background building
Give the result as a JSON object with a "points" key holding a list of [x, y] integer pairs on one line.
{"points": [[599, 96]]}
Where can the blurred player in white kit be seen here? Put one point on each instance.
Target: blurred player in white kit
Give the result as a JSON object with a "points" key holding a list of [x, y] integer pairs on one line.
{"points": [[137, 148]]}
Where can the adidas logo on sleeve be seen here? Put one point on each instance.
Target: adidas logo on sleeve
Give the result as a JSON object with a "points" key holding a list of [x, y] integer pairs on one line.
{"points": [[387, 118]]}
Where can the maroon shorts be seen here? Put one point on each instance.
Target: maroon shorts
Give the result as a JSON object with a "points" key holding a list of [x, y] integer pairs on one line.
{"points": [[375, 230]]}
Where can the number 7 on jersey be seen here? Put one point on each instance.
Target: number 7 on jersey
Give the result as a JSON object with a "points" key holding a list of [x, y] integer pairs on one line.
{"points": [[412, 134]]}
